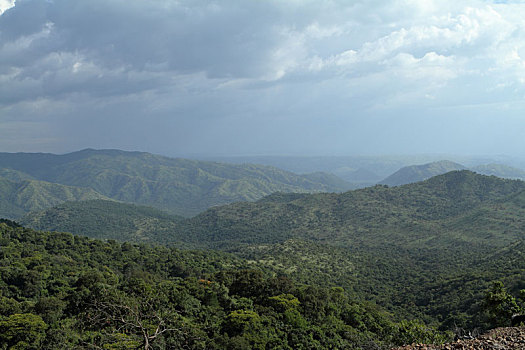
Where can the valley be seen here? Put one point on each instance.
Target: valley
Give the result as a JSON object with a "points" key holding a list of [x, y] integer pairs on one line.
{"points": [[423, 254], [262, 175]]}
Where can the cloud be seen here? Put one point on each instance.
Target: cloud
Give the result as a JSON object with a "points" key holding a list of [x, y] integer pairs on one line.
{"points": [[192, 63], [6, 5]]}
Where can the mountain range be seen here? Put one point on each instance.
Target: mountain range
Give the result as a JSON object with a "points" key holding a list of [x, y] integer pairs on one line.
{"points": [[35, 181], [363, 171], [179, 186]]}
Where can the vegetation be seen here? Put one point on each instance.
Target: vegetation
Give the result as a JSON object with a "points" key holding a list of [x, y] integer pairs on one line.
{"points": [[62, 291], [179, 186], [107, 220], [18, 198], [427, 251], [354, 169], [438, 213]]}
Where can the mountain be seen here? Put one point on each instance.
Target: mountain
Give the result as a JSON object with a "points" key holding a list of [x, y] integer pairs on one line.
{"points": [[18, 198], [446, 211], [375, 214], [14, 175], [370, 169], [415, 173], [180, 186], [428, 249], [500, 170]]}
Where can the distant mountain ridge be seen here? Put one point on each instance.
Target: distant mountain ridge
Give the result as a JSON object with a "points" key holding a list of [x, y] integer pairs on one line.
{"points": [[180, 186], [500, 170], [416, 173]]}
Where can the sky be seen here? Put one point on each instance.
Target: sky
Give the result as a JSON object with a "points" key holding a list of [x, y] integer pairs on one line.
{"points": [[263, 77]]}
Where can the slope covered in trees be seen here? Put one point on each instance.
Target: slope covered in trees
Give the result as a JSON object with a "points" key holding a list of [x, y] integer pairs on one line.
{"points": [[427, 250], [20, 197], [62, 291], [432, 213], [180, 186], [108, 220]]}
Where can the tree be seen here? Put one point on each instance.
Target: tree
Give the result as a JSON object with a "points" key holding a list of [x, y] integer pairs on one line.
{"points": [[500, 305], [22, 331]]}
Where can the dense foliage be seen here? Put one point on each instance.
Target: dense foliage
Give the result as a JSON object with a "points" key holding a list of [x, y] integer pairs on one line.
{"points": [[62, 291], [443, 211], [427, 251], [108, 220]]}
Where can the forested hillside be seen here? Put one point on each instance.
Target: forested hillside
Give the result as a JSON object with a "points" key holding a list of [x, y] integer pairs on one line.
{"points": [[180, 186], [108, 220], [323, 175], [60, 291], [426, 251], [20, 197], [433, 213]]}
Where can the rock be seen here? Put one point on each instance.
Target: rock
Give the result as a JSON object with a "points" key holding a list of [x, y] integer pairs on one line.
{"points": [[495, 339]]}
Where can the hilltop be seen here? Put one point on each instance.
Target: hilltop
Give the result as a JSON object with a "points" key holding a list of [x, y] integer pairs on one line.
{"points": [[416, 173], [454, 208], [431, 212], [361, 171]]}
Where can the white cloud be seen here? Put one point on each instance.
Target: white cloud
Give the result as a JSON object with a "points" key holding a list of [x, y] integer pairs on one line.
{"points": [[6, 5]]}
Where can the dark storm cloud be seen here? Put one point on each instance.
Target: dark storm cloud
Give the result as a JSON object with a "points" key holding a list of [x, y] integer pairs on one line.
{"points": [[213, 75]]}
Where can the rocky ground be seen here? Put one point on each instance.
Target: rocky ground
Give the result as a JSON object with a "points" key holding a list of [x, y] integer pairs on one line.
{"points": [[499, 338]]}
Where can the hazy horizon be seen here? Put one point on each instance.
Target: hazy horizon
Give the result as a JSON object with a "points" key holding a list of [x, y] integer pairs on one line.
{"points": [[212, 155], [250, 78]]}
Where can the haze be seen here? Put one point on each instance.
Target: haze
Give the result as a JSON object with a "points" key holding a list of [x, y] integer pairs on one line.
{"points": [[263, 77]]}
